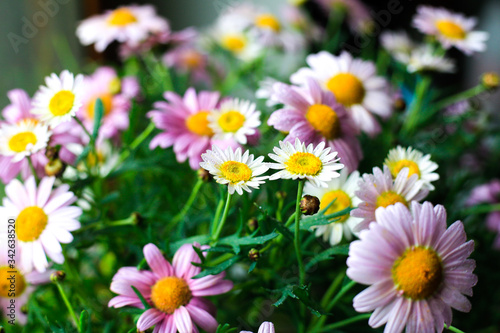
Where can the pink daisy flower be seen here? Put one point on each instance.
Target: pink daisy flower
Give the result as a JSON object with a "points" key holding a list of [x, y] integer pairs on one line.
{"points": [[266, 327], [106, 85], [185, 125], [488, 193], [26, 283], [314, 116], [175, 297], [44, 218], [381, 190], [20, 110], [416, 268]]}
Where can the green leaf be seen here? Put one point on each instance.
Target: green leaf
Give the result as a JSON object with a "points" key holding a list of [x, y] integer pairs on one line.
{"points": [[328, 254], [319, 219], [302, 294], [252, 267], [84, 154], [226, 329], [219, 268], [143, 300], [85, 322], [98, 114], [202, 239], [235, 242]]}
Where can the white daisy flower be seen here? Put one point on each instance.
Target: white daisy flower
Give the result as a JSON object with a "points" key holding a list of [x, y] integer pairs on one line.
{"points": [[234, 119], [130, 24], [451, 29], [60, 99], [424, 58], [105, 158], [417, 163], [44, 219], [316, 164], [340, 191], [239, 172], [397, 42], [23, 138], [355, 84]]}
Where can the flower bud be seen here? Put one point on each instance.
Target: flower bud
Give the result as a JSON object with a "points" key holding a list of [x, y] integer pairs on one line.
{"points": [[137, 218], [281, 195], [24, 309], [253, 224], [490, 80], [204, 175], [254, 255], [52, 152], [58, 276], [2, 330], [399, 104], [309, 205], [55, 168]]}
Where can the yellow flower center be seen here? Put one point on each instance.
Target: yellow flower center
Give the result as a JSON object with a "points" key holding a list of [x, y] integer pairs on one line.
{"points": [[342, 201], [450, 29], [231, 121], [324, 120], [94, 159], [192, 59], [396, 167], [8, 286], [61, 103], [19, 141], [115, 86], [31, 222], [121, 17], [234, 43], [107, 104], [198, 124], [418, 273], [304, 164], [390, 198], [347, 88], [236, 172], [170, 293], [268, 21]]}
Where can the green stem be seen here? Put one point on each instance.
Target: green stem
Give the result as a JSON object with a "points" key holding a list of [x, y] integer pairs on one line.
{"points": [[318, 322], [189, 202], [143, 136], [302, 272], [68, 305], [415, 110], [84, 128], [341, 293], [346, 322], [131, 220], [453, 329], [468, 94], [33, 170], [220, 226], [218, 211], [480, 209]]}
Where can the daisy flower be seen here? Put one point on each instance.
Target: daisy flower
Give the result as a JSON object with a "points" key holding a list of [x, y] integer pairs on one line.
{"points": [[185, 125], [239, 171], [342, 191], [381, 190], [60, 99], [234, 119], [451, 29], [188, 59], [26, 281], [424, 58], [313, 116], [128, 24], [23, 139], [106, 85], [417, 163], [488, 193], [417, 269], [358, 15], [44, 219], [105, 158], [175, 297], [266, 327], [353, 82], [397, 42], [316, 164]]}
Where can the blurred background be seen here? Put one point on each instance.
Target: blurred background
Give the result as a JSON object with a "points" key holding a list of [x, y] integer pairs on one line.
{"points": [[39, 35]]}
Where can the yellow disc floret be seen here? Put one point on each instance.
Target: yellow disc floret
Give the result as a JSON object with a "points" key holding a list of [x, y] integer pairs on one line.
{"points": [[31, 222], [11, 288], [170, 293], [347, 88], [390, 198], [397, 166], [121, 17], [342, 201], [231, 121], [324, 120], [418, 273], [268, 21], [61, 103], [234, 43], [236, 172], [20, 141], [450, 29], [198, 124], [304, 164]]}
